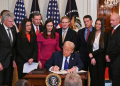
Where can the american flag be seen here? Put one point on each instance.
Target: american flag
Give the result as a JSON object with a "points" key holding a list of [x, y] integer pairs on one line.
{"points": [[71, 9], [53, 12], [19, 12], [34, 8]]}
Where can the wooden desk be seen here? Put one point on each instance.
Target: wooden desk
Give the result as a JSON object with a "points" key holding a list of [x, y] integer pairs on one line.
{"points": [[39, 79]]}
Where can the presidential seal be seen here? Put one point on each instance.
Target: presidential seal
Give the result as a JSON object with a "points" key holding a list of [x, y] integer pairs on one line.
{"points": [[53, 80]]}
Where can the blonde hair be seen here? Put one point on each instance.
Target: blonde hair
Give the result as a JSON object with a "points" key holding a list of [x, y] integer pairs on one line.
{"points": [[69, 44], [65, 17], [73, 79]]}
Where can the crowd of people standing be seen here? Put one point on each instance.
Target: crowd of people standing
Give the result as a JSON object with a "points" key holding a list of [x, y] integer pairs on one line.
{"points": [[46, 45]]}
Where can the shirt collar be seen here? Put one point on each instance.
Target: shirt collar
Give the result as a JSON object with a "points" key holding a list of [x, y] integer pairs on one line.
{"points": [[64, 30], [5, 26], [116, 26], [89, 29], [34, 25], [65, 57]]}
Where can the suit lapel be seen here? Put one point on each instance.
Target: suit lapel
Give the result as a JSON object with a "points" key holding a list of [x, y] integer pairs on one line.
{"points": [[114, 31], [71, 61], [67, 34], [83, 33], [40, 29], [13, 35], [60, 59], [5, 33], [60, 35], [33, 29]]}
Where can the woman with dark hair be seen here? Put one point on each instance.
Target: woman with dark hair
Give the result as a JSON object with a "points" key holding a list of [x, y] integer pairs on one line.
{"points": [[48, 42], [97, 43], [26, 46]]}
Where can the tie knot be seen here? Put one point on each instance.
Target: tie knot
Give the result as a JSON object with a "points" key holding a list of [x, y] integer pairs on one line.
{"points": [[88, 30], [66, 58], [36, 27], [8, 29], [64, 31]]}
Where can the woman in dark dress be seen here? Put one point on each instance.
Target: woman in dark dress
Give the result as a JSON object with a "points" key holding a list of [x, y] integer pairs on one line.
{"points": [[97, 43], [26, 46]]}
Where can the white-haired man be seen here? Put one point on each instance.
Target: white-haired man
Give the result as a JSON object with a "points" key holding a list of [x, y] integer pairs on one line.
{"points": [[7, 46]]}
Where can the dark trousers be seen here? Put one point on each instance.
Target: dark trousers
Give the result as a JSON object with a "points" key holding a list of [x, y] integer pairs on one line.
{"points": [[6, 75], [20, 70], [115, 76], [85, 59], [97, 74]]}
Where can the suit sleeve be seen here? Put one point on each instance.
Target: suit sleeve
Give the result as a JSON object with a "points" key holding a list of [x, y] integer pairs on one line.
{"points": [[114, 53], [89, 43], [35, 49], [79, 63], [15, 48], [50, 62], [19, 48], [78, 40]]}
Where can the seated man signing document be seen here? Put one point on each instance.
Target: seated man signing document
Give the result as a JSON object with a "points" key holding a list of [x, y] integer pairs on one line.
{"points": [[65, 60]]}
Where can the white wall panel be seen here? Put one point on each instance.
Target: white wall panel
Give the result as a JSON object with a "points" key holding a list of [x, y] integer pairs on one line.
{"points": [[4, 4]]}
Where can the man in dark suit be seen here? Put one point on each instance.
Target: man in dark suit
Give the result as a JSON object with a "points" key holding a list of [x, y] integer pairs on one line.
{"points": [[66, 59], [36, 23], [66, 33], [7, 46], [82, 40], [113, 50]]}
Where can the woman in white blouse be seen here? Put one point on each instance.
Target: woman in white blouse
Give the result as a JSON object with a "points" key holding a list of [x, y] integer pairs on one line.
{"points": [[97, 43]]}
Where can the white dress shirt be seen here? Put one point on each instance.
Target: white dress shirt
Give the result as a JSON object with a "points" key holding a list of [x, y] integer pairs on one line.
{"points": [[35, 28], [65, 32], [96, 42], [63, 63], [116, 27]]}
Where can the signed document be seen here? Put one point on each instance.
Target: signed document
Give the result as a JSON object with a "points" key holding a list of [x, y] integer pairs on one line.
{"points": [[65, 72], [27, 68], [60, 72]]}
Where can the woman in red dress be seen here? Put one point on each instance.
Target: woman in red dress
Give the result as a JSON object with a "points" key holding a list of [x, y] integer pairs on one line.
{"points": [[48, 42]]}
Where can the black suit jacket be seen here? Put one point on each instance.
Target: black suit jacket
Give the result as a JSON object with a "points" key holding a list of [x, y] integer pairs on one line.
{"points": [[99, 54], [70, 36], [40, 27], [113, 49], [26, 49], [6, 51], [57, 59], [82, 44]]}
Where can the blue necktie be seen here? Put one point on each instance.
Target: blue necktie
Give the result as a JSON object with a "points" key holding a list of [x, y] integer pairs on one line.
{"points": [[66, 63]]}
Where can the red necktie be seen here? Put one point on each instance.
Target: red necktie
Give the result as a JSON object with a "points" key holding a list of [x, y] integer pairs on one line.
{"points": [[37, 31], [87, 35], [112, 31]]}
